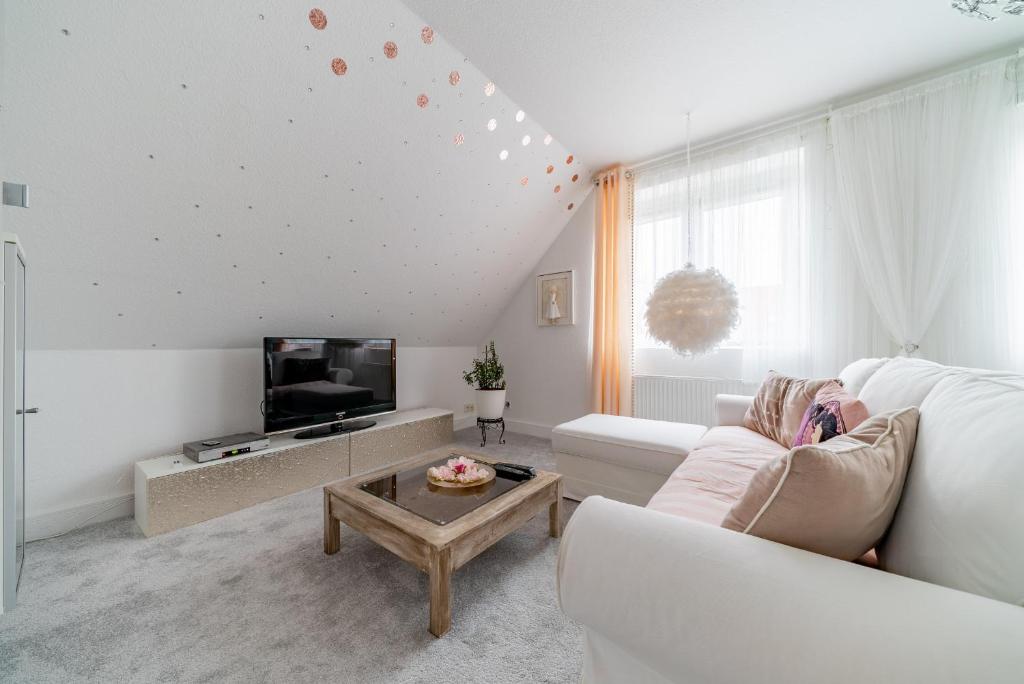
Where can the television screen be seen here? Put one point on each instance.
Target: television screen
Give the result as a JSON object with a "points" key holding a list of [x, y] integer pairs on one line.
{"points": [[312, 381]]}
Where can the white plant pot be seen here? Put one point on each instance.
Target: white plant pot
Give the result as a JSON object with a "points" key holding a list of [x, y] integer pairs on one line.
{"points": [[490, 404]]}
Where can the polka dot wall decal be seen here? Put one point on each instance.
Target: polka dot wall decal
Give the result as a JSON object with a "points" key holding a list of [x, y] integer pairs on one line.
{"points": [[520, 116], [390, 50], [547, 139], [427, 35], [526, 140], [550, 168], [492, 124], [459, 139], [558, 188], [339, 67], [488, 89], [454, 78], [575, 177], [422, 100], [318, 19], [65, 32], [568, 160], [503, 155], [524, 180]]}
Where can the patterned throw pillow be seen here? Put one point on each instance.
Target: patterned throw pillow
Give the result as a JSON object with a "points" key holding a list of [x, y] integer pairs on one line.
{"points": [[833, 412], [779, 406]]}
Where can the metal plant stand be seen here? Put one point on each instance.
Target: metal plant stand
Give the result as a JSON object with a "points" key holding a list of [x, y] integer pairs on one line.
{"points": [[486, 424]]}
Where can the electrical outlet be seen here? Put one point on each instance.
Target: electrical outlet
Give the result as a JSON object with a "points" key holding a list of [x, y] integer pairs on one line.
{"points": [[469, 408]]}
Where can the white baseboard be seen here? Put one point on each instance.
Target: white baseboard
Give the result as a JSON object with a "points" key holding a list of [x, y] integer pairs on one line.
{"points": [[525, 427], [51, 523]]}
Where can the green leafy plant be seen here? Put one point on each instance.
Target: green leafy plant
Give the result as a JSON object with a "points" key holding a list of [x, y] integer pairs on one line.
{"points": [[487, 373]]}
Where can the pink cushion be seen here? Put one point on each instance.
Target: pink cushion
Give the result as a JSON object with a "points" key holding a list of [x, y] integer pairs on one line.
{"points": [[715, 474], [833, 412]]}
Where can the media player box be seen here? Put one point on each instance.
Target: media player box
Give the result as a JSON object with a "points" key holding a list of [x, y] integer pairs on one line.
{"points": [[221, 447]]}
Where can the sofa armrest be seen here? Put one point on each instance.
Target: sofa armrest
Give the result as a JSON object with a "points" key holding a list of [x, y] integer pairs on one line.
{"points": [[731, 408], [699, 603]]}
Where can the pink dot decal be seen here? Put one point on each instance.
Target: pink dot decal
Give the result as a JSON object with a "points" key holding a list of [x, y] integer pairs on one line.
{"points": [[338, 66], [575, 177], [427, 34], [422, 100], [318, 19], [390, 50], [568, 160], [550, 168], [454, 78], [459, 139], [571, 205], [524, 180], [558, 188]]}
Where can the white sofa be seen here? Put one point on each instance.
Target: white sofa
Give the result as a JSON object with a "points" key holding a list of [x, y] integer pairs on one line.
{"points": [[666, 597]]}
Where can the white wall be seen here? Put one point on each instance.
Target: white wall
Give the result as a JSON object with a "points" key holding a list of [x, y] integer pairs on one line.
{"points": [[102, 410], [548, 369]]}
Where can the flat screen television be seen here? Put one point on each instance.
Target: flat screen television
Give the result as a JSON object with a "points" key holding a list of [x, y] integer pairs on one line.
{"points": [[321, 383]]}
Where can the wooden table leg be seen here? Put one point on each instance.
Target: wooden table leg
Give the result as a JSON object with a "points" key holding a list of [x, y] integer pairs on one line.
{"points": [[440, 591], [332, 528], [555, 513]]}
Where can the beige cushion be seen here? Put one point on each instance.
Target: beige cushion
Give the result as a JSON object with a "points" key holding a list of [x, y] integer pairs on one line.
{"points": [[836, 498], [779, 406], [715, 474]]}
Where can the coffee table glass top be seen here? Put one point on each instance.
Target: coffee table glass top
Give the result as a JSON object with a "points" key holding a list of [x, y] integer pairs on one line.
{"points": [[409, 489]]}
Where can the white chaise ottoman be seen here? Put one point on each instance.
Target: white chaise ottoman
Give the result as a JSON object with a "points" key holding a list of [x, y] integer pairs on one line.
{"points": [[627, 459]]}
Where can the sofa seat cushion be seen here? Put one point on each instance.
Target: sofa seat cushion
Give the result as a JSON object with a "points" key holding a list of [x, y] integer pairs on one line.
{"points": [[959, 521], [656, 446], [715, 474]]}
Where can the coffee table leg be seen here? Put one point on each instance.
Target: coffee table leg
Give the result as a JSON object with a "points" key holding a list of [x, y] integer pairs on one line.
{"points": [[555, 513], [332, 528], [440, 591]]}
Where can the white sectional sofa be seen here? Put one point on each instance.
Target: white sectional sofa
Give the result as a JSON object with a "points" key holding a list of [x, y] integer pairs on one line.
{"points": [[667, 595]]}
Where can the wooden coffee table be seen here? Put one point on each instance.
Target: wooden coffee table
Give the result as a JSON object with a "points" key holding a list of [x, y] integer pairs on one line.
{"points": [[471, 521]]}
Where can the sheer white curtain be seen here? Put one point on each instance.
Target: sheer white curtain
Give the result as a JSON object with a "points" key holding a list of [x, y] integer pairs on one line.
{"points": [[907, 165], [981, 321], [760, 215]]}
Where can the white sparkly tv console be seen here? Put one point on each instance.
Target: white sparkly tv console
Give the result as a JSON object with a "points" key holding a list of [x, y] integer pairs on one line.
{"points": [[173, 491]]}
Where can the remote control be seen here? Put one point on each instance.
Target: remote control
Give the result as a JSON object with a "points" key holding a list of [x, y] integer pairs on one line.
{"points": [[513, 471]]}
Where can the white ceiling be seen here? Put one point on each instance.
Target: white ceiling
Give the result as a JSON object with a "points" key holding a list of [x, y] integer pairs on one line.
{"points": [[200, 177], [615, 79]]}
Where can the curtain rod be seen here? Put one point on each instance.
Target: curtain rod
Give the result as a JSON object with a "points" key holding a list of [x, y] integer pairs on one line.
{"points": [[823, 112]]}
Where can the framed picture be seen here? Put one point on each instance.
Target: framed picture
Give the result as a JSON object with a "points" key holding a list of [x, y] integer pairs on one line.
{"points": [[554, 299]]}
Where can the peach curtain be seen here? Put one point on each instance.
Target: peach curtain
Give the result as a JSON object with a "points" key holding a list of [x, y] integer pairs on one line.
{"points": [[611, 368]]}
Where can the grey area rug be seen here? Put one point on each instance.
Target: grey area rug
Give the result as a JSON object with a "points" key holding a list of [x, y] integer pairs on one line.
{"points": [[251, 597]]}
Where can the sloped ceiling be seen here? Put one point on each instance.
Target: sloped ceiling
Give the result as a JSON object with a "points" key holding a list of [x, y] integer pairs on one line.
{"points": [[616, 78], [206, 173]]}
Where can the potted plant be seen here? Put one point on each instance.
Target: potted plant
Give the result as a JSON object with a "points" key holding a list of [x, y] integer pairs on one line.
{"points": [[489, 377]]}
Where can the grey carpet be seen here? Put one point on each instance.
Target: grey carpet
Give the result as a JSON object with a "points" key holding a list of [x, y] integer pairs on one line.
{"points": [[251, 597]]}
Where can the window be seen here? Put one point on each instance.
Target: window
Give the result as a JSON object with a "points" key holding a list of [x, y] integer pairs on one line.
{"points": [[749, 220]]}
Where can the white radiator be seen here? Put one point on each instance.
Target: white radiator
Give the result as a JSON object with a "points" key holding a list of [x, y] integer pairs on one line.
{"points": [[682, 399]]}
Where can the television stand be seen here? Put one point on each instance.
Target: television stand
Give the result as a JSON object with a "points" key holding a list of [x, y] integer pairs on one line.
{"points": [[335, 429]]}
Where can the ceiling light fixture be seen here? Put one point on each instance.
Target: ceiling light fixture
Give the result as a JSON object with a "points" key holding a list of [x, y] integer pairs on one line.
{"points": [[988, 10]]}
